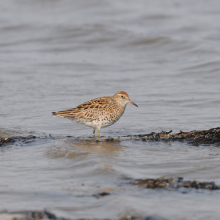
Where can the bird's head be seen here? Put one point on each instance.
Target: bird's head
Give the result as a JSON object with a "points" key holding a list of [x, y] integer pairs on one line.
{"points": [[123, 98]]}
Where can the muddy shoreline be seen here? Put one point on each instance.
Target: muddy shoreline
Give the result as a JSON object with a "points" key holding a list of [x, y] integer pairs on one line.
{"points": [[201, 137], [46, 215], [175, 183]]}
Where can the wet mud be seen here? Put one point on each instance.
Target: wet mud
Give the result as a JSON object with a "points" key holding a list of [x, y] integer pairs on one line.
{"points": [[167, 183], [34, 215], [211, 136], [175, 183], [10, 140], [203, 137], [28, 215]]}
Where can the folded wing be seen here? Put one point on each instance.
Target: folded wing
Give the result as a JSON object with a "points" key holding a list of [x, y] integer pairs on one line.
{"points": [[87, 111]]}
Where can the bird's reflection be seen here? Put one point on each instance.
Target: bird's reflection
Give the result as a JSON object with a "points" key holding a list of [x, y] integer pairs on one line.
{"points": [[71, 149]]}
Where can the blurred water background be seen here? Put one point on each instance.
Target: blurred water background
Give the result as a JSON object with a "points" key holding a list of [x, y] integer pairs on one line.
{"points": [[56, 54]]}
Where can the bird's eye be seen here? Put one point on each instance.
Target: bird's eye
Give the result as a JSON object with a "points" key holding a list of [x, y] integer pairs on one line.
{"points": [[122, 96]]}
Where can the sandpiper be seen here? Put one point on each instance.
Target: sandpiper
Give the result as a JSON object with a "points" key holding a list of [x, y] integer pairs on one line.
{"points": [[98, 113]]}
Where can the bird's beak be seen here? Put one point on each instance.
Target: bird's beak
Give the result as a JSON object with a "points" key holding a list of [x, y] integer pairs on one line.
{"points": [[133, 103]]}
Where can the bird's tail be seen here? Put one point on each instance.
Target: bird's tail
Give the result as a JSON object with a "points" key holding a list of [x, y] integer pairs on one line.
{"points": [[66, 113], [60, 114]]}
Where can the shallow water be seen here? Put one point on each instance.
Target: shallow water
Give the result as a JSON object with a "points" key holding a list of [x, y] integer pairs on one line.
{"points": [[57, 54]]}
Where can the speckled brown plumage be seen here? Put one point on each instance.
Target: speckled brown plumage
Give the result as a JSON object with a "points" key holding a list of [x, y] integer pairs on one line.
{"points": [[99, 112]]}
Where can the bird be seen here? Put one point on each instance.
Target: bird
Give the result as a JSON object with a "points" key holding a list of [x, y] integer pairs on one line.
{"points": [[98, 113]]}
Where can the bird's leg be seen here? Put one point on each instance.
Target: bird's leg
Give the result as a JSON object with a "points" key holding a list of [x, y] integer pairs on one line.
{"points": [[93, 134], [98, 135]]}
